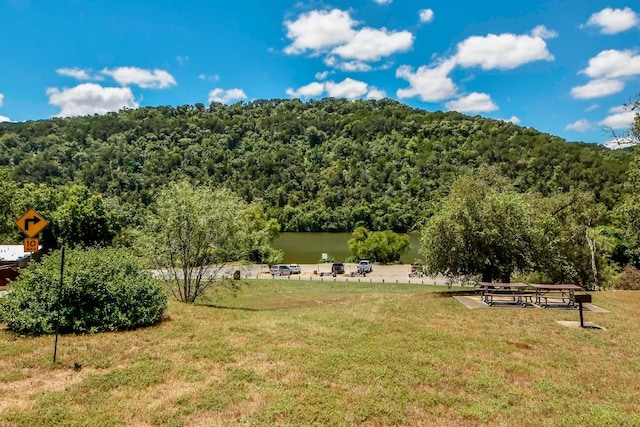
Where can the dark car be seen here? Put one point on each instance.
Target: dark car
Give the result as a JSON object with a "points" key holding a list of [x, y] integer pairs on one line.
{"points": [[337, 268]]}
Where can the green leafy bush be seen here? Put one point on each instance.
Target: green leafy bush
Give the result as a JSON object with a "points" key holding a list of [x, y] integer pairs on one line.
{"points": [[379, 246], [103, 290]]}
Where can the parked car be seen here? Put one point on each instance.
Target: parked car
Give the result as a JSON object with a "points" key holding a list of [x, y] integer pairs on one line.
{"points": [[295, 268], [365, 266], [337, 268], [280, 270], [416, 270]]}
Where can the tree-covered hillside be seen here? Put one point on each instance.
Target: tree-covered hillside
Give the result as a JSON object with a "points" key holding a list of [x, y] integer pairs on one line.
{"points": [[326, 165]]}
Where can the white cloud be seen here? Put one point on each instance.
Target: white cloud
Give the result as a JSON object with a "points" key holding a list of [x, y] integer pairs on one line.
{"points": [[502, 51], [321, 75], [613, 21], [375, 93], [383, 1], [370, 44], [319, 30], [156, 79], [1, 99], [182, 60], [351, 66], [4, 119], [90, 98], [620, 118], [473, 103], [543, 32], [613, 63], [225, 96], [579, 125], [348, 88], [333, 33], [426, 15], [75, 72], [513, 119], [592, 107], [209, 78], [597, 89], [430, 84], [307, 91]]}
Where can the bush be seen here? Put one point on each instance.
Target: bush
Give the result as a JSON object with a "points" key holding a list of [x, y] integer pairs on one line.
{"points": [[379, 246], [629, 279], [103, 290]]}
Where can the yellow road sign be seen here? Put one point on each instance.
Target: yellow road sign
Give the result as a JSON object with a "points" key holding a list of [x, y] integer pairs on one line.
{"points": [[31, 245], [31, 223]]}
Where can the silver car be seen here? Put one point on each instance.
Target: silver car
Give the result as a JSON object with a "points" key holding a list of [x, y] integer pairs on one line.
{"points": [[280, 270], [295, 268]]}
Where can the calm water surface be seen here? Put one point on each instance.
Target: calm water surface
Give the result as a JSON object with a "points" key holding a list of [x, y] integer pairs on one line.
{"points": [[307, 248]]}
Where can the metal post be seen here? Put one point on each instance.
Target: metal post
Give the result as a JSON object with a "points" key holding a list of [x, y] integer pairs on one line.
{"points": [[581, 318], [55, 346]]}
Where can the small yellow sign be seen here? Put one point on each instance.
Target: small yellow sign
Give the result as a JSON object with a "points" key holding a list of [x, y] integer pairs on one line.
{"points": [[31, 245], [31, 223]]}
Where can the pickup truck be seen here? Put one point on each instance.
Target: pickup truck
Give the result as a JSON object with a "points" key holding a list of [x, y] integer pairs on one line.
{"points": [[365, 266]]}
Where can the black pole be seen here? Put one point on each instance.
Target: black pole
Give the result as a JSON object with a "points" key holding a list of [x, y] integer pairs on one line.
{"points": [[581, 318], [55, 346]]}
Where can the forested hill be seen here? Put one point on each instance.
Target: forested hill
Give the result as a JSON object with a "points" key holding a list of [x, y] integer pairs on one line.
{"points": [[325, 165]]}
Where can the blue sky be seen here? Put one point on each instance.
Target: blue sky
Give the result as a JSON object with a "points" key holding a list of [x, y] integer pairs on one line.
{"points": [[562, 67]]}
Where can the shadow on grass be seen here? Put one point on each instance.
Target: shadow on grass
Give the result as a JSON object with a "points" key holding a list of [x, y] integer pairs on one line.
{"points": [[454, 292], [227, 307]]}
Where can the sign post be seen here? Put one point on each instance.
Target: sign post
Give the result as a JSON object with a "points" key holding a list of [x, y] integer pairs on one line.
{"points": [[31, 223]]}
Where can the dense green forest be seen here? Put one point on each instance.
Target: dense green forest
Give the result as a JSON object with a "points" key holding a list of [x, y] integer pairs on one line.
{"points": [[323, 165]]}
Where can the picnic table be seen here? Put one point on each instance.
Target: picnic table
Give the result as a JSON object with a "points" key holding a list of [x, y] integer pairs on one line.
{"points": [[562, 294], [509, 293]]}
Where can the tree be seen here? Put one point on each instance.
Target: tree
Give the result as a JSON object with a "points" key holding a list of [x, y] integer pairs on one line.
{"points": [[627, 212], [573, 247], [379, 246], [76, 215], [9, 211], [263, 232], [482, 228], [194, 233]]}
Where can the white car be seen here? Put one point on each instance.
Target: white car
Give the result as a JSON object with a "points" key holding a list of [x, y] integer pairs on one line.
{"points": [[295, 268], [280, 270], [364, 266]]}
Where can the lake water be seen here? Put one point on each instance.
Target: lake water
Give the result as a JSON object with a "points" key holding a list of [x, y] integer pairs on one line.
{"points": [[307, 248]]}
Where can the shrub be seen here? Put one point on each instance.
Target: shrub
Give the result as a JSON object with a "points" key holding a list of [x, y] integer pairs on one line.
{"points": [[629, 279], [379, 246], [103, 290]]}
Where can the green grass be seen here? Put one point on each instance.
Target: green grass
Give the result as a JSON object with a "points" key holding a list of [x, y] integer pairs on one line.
{"points": [[325, 353]]}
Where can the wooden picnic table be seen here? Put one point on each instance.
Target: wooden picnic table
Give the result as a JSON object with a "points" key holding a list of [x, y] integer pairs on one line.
{"points": [[561, 294], [510, 293]]}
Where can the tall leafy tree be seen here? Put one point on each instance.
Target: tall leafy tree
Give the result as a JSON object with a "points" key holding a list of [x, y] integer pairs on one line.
{"points": [[483, 228], [194, 232], [77, 216], [628, 211], [9, 211]]}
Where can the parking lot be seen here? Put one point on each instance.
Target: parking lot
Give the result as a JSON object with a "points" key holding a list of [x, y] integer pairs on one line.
{"points": [[397, 273]]}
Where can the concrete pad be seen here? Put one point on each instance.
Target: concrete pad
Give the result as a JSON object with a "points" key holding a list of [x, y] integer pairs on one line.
{"points": [[576, 325], [471, 301], [593, 308]]}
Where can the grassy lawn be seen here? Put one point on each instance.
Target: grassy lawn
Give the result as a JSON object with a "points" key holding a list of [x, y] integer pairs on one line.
{"points": [[296, 353]]}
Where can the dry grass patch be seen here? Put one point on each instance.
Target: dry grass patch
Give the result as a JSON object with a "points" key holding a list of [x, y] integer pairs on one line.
{"points": [[335, 354]]}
